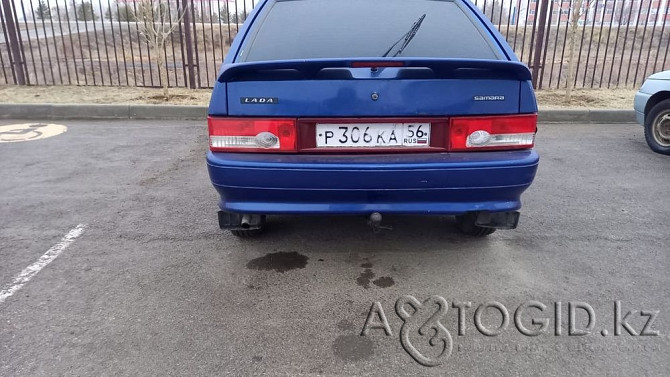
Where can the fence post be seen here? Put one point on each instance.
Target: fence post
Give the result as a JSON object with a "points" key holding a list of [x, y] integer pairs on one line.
{"points": [[188, 43], [539, 42], [14, 48]]}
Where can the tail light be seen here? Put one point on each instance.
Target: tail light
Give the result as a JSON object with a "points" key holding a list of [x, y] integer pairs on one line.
{"points": [[252, 135], [492, 132]]}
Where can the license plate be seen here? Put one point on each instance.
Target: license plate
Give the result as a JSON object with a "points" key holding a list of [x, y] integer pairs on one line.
{"points": [[373, 135]]}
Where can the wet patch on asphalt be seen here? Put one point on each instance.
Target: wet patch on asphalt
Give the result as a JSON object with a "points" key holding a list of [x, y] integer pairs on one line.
{"points": [[384, 282], [345, 325], [280, 262], [367, 275], [364, 279]]}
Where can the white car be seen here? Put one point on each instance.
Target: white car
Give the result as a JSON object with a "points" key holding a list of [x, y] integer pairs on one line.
{"points": [[652, 109]]}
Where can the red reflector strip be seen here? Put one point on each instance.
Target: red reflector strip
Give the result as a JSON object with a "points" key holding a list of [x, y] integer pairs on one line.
{"points": [[252, 135], [492, 132]]}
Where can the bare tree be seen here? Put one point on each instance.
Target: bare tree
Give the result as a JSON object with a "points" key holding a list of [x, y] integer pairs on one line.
{"points": [[157, 23], [623, 12], [579, 7]]}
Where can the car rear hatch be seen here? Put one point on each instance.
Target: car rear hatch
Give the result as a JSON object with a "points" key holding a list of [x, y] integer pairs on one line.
{"points": [[368, 88]]}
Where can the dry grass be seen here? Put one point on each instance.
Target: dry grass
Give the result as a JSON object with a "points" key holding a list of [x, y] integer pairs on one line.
{"points": [[547, 99], [587, 98]]}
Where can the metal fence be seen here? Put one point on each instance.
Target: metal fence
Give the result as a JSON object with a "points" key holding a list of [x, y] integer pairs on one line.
{"points": [[99, 42]]}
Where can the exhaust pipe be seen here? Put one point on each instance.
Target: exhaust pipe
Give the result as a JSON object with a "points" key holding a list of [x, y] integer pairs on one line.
{"points": [[229, 220]]}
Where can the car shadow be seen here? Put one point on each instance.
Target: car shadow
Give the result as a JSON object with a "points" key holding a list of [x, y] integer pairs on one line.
{"points": [[339, 234]]}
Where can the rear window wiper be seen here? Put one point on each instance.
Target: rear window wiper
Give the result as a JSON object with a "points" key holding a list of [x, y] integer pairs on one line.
{"points": [[406, 38]]}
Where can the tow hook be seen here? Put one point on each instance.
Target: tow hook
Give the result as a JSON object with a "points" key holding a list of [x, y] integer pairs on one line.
{"points": [[375, 222]]}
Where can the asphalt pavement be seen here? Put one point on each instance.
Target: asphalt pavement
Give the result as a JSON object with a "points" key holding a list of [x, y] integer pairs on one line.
{"points": [[151, 286]]}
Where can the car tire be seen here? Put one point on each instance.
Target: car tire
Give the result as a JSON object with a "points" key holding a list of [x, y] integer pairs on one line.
{"points": [[657, 127], [466, 224]]}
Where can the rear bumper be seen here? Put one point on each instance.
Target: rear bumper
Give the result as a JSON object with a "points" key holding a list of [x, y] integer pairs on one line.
{"points": [[439, 183]]}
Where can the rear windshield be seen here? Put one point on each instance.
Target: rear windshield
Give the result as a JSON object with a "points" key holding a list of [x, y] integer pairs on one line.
{"points": [[308, 29]]}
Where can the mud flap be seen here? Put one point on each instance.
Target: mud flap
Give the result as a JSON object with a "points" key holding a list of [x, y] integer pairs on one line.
{"points": [[498, 220]]}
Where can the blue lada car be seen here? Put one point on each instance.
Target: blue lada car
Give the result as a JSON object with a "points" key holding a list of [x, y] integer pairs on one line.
{"points": [[371, 107]]}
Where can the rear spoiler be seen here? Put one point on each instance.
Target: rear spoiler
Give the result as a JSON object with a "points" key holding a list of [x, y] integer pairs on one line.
{"points": [[442, 68]]}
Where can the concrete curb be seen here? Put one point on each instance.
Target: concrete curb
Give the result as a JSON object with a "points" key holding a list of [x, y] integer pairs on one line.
{"points": [[586, 116], [96, 111]]}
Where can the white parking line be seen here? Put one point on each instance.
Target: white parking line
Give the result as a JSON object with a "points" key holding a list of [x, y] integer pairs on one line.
{"points": [[29, 272]]}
